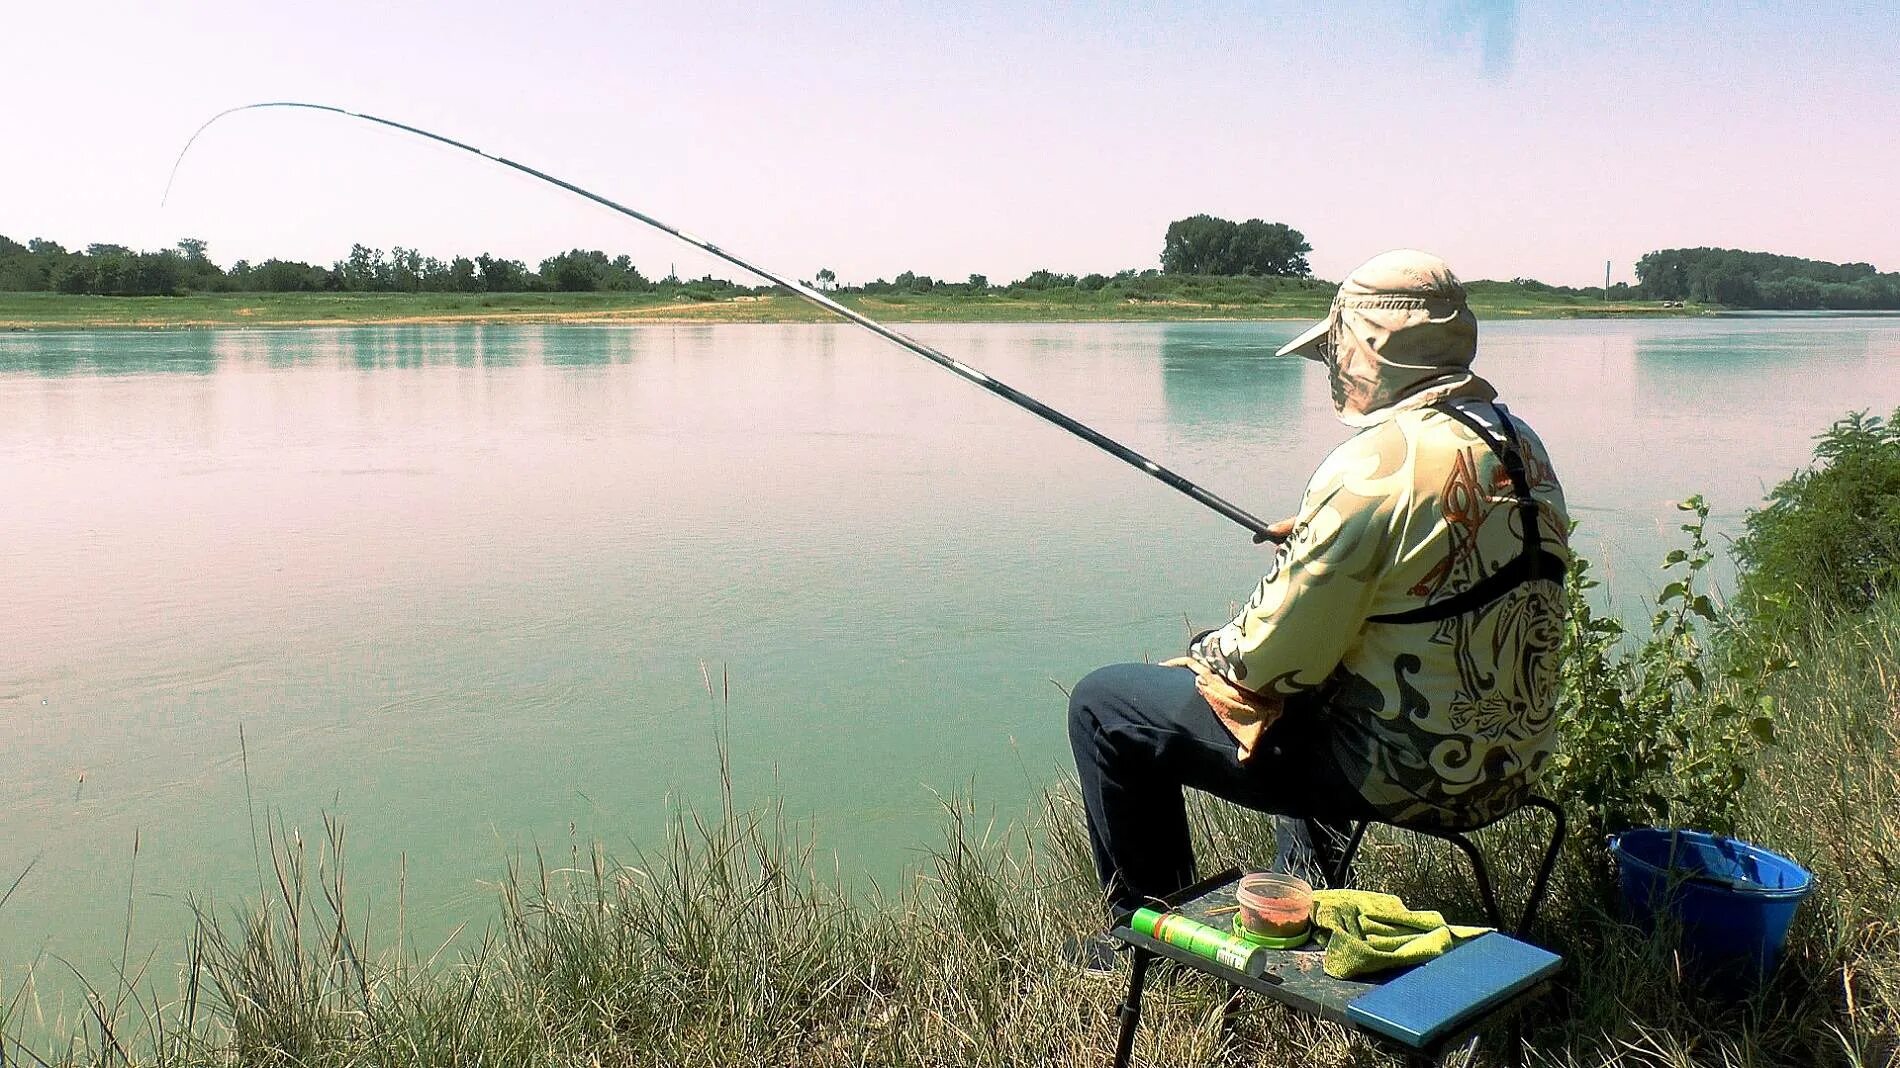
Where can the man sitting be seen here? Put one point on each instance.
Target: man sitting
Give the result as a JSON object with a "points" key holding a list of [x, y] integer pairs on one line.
{"points": [[1398, 660]]}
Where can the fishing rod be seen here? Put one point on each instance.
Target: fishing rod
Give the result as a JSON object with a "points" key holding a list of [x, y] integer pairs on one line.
{"points": [[1260, 529]]}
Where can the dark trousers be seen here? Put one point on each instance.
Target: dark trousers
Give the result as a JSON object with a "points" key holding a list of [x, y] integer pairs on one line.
{"points": [[1143, 732]]}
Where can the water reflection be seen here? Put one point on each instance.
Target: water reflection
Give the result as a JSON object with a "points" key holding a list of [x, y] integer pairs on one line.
{"points": [[1222, 383], [119, 353], [366, 348], [1759, 392], [1256, 425], [1729, 374], [409, 347], [588, 346]]}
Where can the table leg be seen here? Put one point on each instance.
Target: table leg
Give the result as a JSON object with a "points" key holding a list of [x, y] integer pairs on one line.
{"points": [[1130, 1011]]}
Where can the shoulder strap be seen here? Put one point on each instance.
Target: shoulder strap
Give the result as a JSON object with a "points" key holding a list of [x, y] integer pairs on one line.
{"points": [[1533, 562]]}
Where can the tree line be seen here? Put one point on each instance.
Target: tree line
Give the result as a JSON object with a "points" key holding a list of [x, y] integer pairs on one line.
{"points": [[1764, 280], [1196, 246], [40, 265]]}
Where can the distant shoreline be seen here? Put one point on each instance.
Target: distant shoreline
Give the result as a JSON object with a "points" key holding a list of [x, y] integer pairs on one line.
{"points": [[47, 311]]}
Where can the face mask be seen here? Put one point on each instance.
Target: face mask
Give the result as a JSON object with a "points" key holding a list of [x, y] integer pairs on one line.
{"points": [[1329, 355]]}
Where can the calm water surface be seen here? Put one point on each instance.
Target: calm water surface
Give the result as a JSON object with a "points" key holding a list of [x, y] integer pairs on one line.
{"points": [[473, 589]]}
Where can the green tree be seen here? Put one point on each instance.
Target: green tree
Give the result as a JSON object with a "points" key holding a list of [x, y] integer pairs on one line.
{"points": [[826, 278], [569, 272], [75, 274], [623, 275], [1206, 244], [911, 282], [405, 270], [1793, 293], [200, 274], [364, 271], [586, 270], [1197, 244], [1264, 248], [20, 270], [462, 276], [1043, 279], [155, 274], [288, 276], [110, 268], [501, 276]]}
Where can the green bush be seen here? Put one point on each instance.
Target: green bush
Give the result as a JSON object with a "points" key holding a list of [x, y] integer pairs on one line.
{"points": [[1828, 541], [1667, 728], [1661, 732]]}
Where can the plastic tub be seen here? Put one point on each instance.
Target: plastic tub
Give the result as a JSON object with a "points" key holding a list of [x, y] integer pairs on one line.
{"points": [[1733, 900], [1275, 909]]}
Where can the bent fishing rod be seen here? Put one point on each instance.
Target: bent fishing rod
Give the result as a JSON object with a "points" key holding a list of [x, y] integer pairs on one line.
{"points": [[1260, 529]]}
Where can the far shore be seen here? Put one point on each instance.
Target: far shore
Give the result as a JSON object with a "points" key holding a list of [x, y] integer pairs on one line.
{"points": [[46, 311]]}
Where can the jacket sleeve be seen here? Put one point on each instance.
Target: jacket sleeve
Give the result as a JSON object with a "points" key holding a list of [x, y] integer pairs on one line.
{"points": [[1309, 609]]}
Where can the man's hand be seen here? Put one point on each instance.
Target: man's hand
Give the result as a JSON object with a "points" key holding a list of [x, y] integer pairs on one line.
{"points": [[1276, 532], [1245, 714]]}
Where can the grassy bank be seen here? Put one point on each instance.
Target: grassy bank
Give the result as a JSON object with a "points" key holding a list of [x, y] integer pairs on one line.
{"points": [[731, 945], [1215, 299]]}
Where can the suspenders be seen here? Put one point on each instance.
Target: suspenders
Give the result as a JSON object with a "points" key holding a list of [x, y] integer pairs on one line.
{"points": [[1533, 563]]}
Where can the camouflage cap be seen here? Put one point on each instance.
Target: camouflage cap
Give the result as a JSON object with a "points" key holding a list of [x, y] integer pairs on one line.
{"points": [[1403, 280], [1399, 326]]}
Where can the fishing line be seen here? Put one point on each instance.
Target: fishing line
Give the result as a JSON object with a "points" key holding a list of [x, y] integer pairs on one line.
{"points": [[1260, 529]]}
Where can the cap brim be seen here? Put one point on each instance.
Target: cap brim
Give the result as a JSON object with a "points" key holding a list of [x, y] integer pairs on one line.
{"points": [[1308, 344]]}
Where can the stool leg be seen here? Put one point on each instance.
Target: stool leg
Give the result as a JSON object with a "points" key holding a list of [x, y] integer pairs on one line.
{"points": [[1542, 882], [1337, 877], [1130, 1011], [1483, 876]]}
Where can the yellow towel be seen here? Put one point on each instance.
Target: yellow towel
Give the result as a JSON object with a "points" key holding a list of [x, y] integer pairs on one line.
{"points": [[1370, 932]]}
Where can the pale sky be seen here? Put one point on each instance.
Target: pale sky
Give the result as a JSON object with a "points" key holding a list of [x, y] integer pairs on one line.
{"points": [[1535, 139]]}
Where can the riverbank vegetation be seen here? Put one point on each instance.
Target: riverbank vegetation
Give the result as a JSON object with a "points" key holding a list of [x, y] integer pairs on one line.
{"points": [[1183, 298], [1201, 256], [1763, 280], [1211, 268], [734, 943]]}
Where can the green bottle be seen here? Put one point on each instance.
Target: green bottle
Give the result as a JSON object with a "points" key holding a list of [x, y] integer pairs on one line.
{"points": [[1183, 932]]}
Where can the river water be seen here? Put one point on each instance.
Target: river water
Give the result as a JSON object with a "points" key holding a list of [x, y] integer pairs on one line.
{"points": [[473, 590]]}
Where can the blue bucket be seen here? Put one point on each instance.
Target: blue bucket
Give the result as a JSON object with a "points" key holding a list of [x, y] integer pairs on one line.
{"points": [[1733, 901]]}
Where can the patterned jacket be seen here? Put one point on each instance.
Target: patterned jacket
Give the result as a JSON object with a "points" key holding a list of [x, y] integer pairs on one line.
{"points": [[1446, 722]]}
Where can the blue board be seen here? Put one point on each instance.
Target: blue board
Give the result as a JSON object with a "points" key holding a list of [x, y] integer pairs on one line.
{"points": [[1422, 1005]]}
